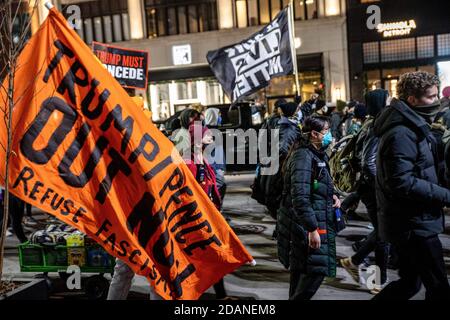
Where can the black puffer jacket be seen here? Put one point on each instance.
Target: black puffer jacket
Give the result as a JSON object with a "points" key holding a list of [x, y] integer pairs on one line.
{"points": [[408, 194], [307, 206]]}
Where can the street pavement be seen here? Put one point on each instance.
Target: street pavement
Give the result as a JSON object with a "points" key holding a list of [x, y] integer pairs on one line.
{"points": [[268, 280]]}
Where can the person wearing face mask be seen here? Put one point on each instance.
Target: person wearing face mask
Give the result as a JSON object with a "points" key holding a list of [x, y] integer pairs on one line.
{"points": [[306, 218], [409, 197]]}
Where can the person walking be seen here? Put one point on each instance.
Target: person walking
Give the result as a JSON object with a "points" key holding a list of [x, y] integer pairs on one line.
{"points": [[306, 219], [376, 101], [409, 196]]}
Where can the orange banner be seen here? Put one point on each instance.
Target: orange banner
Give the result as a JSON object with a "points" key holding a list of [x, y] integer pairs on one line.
{"points": [[84, 152]]}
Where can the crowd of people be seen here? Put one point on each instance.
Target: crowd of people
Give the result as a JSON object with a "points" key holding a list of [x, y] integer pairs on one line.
{"points": [[400, 162], [400, 154]]}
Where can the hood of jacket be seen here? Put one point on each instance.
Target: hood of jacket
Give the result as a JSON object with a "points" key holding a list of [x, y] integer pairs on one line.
{"points": [[376, 101], [399, 113], [212, 117]]}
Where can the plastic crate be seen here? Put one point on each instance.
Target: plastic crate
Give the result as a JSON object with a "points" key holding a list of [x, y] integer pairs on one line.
{"points": [[38, 258]]}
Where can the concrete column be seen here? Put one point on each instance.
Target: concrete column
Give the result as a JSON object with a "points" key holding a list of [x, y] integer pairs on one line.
{"points": [[135, 12]]}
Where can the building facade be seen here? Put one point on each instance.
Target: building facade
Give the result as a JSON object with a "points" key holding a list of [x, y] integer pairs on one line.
{"points": [[410, 35], [179, 33]]}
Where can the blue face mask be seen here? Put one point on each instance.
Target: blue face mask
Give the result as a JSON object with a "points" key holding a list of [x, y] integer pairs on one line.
{"points": [[327, 139], [219, 120]]}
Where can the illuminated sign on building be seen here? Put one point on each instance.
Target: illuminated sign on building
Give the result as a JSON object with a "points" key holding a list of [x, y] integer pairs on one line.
{"points": [[393, 29]]}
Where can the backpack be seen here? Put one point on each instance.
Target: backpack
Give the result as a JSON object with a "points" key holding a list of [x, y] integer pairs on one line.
{"points": [[344, 165]]}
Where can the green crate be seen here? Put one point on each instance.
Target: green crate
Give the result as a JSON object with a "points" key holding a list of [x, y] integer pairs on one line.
{"points": [[56, 256], [31, 255], [37, 258]]}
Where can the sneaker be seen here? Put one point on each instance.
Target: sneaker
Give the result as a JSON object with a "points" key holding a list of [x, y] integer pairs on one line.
{"points": [[9, 233], [377, 289], [30, 222], [353, 270]]}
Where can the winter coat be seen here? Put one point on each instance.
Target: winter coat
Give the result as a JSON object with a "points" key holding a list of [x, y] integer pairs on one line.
{"points": [[307, 206], [408, 195]]}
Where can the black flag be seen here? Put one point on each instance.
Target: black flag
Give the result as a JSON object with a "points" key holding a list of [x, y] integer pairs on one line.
{"points": [[248, 66]]}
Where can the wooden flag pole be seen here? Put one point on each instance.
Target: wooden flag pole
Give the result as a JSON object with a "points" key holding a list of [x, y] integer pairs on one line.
{"points": [[293, 50]]}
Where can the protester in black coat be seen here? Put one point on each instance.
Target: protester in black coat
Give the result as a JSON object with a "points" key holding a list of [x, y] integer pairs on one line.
{"points": [[375, 102], [306, 219], [410, 200]]}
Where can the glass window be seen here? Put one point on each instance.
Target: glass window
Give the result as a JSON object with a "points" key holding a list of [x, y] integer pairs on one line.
{"points": [[172, 21], [193, 23], [299, 9], [241, 12], [98, 28], [88, 31], [203, 17], [253, 12], [126, 27], [443, 44], [370, 51], [311, 8], [373, 79], [425, 47], [162, 18], [398, 50], [108, 28], [152, 23], [117, 26], [264, 11], [396, 73], [182, 21], [225, 11], [275, 7], [332, 8]]}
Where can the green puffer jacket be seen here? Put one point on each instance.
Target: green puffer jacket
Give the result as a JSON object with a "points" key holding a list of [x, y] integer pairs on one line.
{"points": [[307, 206]]}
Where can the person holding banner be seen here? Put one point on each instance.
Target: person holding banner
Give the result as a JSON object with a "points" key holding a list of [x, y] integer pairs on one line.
{"points": [[306, 219], [204, 174]]}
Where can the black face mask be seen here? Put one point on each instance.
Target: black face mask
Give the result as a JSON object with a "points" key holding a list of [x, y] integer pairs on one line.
{"points": [[428, 112]]}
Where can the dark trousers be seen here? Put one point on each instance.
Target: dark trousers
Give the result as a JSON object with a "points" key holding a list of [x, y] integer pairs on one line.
{"points": [[304, 286], [373, 241], [420, 261]]}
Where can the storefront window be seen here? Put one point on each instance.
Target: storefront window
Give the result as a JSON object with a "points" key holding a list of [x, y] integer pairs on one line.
{"points": [[425, 47], [397, 50], [373, 80], [443, 44], [371, 52], [166, 98]]}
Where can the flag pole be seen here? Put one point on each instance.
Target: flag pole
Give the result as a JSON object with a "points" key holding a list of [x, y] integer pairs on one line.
{"points": [[293, 50]]}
